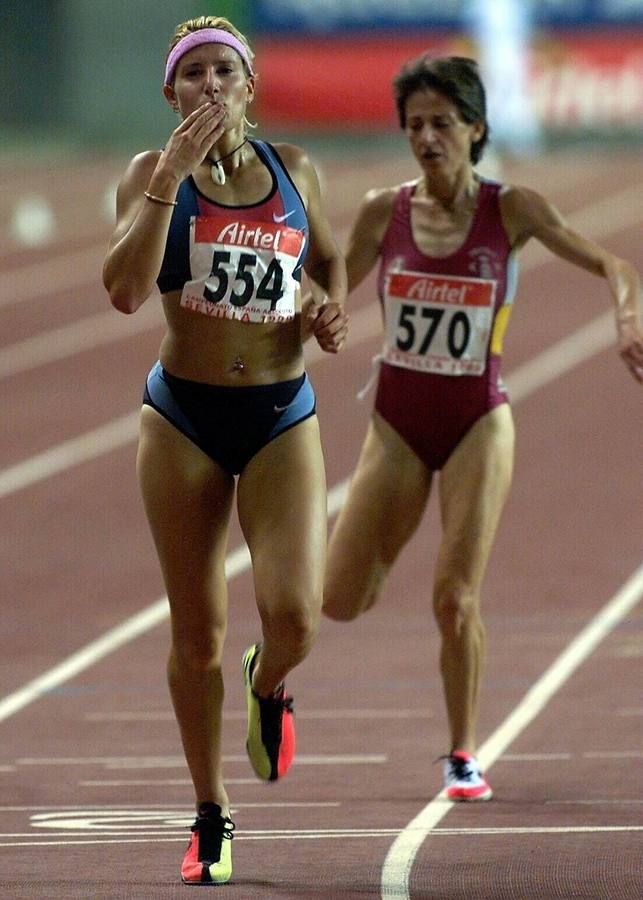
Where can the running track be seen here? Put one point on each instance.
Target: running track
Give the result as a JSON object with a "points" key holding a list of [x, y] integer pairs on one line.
{"points": [[95, 796]]}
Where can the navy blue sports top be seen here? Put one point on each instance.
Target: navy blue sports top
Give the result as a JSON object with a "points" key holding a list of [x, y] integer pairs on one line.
{"points": [[238, 262]]}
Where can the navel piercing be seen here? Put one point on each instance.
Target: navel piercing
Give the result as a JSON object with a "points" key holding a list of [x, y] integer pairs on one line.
{"points": [[237, 365]]}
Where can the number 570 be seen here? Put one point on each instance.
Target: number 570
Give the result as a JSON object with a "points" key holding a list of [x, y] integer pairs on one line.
{"points": [[458, 330]]}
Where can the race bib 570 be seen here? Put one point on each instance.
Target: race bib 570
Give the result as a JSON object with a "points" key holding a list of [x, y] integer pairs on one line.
{"points": [[438, 323], [242, 270]]}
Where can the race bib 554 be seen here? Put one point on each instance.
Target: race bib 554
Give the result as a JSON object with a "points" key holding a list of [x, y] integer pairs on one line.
{"points": [[242, 270]]}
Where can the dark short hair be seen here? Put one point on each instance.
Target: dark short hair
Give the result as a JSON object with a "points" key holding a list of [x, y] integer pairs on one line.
{"points": [[457, 78]]}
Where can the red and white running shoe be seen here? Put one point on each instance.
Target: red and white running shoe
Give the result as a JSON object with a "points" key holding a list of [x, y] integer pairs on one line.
{"points": [[463, 779]]}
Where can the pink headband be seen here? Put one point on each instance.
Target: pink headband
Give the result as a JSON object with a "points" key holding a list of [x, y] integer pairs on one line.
{"points": [[204, 36]]}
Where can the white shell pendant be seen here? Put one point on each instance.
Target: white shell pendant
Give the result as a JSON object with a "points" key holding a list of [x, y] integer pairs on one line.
{"points": [[217, 174]]}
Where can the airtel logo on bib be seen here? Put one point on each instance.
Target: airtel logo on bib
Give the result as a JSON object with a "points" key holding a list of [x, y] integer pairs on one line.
{"points": [[452, 290], [219, 232], [444, 291], [239, 234]]}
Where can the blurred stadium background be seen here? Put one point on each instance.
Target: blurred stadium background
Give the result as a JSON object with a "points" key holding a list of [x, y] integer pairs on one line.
{"points": [[82, 77], [86, 73]]}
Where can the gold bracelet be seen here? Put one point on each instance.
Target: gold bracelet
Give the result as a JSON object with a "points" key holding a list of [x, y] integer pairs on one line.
{"points": [[161, 200]]}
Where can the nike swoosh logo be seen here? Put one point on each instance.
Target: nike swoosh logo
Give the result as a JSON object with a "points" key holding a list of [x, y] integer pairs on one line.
{"points": [[281, 408], [276, 218]]}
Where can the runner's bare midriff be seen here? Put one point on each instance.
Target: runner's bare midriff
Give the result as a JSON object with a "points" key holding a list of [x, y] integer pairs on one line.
{"points": [[220, 351]]}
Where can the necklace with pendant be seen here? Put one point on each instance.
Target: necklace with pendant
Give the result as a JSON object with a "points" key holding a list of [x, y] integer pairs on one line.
{"points": [[216, 170]]}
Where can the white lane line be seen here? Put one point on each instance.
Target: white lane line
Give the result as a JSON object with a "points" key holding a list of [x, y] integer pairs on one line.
{"points": [[124, 430], [317, 835], [176, 762], [83, 268], [559, 359], [540, 829], [157, 840], [18, 834], [179, 762], [239, 715], [80, 269], [164, 782], [236, 562], [604, 802], [535, 757], [72, 452], [599, 219], [532, 375], [322, 833], [596, 220], [401, 855], [613, 754], [117, 815], [93, 807], [81, 336], [563, 356]]}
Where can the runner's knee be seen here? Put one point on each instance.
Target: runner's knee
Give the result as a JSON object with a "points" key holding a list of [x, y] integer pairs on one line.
{"points": [[455, 604], [198, 649], [290, 622], [354, 592], [341, 609]]}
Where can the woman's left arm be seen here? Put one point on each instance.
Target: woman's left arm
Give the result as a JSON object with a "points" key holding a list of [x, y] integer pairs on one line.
{"points": [[527, 214], [324, 315]]}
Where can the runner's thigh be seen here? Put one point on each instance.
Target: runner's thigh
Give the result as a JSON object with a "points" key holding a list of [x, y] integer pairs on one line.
{"points": [[386, 499], [282, 510], [473, 488], [188, 499]]}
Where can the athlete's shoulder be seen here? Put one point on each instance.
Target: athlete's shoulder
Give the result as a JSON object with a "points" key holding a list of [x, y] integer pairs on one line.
{"points": [[374, 215], [141, 167], [380, 201], [145, 160], [299, 168], [518, 196], [523, 211], [523, 202], [293, 157]]}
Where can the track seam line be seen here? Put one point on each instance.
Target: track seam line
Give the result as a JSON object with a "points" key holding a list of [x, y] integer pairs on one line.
{"points": [[366, 321], [401, 855], [598, 219], [370, 834], [556, 360], [536, 373]]}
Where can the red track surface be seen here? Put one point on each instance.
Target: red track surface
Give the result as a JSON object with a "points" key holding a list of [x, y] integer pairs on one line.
{"points": [[95, 795]]}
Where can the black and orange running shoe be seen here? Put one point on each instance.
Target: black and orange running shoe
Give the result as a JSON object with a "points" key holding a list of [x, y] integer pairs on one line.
{"points": [[208, 859], [271, 730]]}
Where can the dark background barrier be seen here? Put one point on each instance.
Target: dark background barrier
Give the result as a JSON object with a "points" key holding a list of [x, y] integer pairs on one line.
{"points": [[86, 74]]}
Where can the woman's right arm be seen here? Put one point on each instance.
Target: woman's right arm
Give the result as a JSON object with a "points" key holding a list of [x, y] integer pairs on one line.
{"points": [[367, 234], [363, 248], [137, 246]]}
